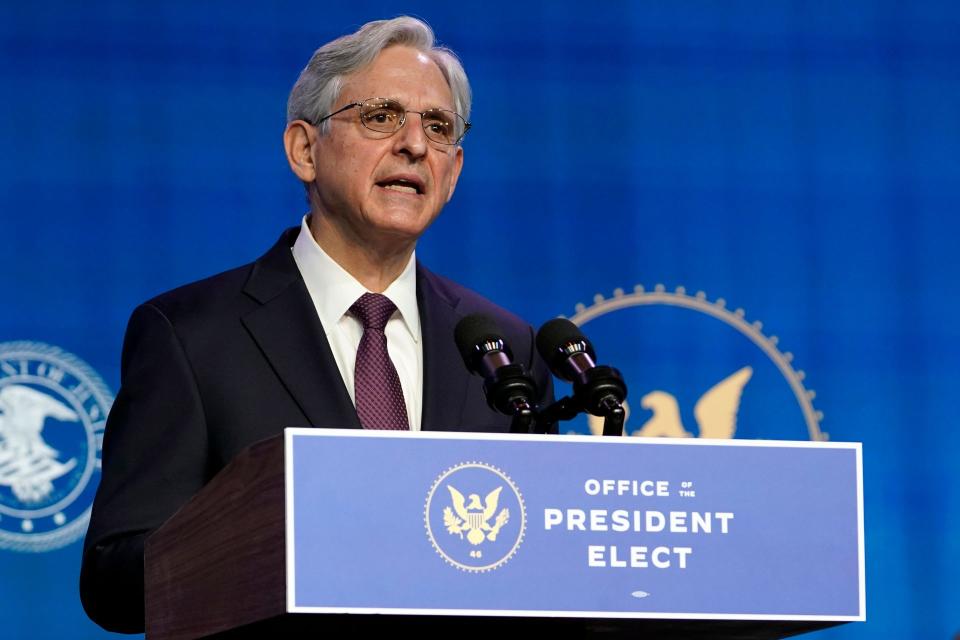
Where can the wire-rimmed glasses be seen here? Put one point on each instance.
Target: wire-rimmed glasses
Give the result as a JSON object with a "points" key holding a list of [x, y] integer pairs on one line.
{"points": [[384, 115]]}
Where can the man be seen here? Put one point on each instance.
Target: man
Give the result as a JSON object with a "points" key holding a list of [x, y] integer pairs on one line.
{"points": [[335, 326]]}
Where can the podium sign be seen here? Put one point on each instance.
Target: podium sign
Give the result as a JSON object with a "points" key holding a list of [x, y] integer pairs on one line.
{"points": [[572, 526]]}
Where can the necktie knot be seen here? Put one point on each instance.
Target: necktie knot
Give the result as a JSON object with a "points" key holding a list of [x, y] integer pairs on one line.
{"points": [[373, 310]]}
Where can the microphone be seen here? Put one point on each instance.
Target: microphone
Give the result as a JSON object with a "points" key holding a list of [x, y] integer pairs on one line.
{"points": [[507, 386], [597, 389]]}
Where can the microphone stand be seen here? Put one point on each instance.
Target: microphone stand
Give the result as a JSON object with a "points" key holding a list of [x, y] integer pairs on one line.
{"points": [[567, 408], [523, 417], [599, 391], [614, 418]]}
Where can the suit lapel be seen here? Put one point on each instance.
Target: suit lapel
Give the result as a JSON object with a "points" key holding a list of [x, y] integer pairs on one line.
{"points": [[286, 328], [445, 379]]}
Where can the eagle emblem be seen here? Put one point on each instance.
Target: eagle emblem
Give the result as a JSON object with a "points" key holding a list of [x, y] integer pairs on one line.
{"points": [[716, 411], [28, 465], [53, 411], [484, 526], [469, 516]]}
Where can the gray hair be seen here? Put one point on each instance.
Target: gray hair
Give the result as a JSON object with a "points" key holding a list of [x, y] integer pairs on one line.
{"points": [[320, 82]]}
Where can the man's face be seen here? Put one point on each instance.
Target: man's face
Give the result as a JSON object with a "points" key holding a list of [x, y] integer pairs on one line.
{"points": [[375, 186]]}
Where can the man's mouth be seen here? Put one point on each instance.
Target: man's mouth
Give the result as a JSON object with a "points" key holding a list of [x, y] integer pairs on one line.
{"points": [[402, 185]]}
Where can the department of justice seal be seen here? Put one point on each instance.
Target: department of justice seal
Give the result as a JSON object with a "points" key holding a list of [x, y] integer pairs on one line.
{"points": [[53, 410], [475, 517]]}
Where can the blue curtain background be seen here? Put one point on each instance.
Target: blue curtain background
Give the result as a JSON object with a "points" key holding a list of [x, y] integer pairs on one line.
{"points": [[800, 160]]}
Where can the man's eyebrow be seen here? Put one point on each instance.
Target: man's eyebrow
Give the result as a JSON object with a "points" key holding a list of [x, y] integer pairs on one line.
{"points": [[404, 104]]}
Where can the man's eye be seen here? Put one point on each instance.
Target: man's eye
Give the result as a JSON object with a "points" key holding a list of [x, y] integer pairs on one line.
{"points": [[380, 116], [439, 126]]}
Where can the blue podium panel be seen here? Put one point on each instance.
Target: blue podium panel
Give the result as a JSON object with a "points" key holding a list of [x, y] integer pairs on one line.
{"points": [[579, 526]]}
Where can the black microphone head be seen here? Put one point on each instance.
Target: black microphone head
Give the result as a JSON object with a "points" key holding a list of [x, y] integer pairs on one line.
{"points": [[557, 340], [477, 335]]}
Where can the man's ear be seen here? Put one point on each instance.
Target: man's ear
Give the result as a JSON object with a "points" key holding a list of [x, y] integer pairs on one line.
{"points": [[458, 166], [298, 140]]}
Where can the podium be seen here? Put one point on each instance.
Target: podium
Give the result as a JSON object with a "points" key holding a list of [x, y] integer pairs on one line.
{"points": [[329, 531]]}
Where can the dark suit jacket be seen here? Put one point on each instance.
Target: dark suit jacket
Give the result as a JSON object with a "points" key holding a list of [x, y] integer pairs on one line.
{"points": [[212, 367]]}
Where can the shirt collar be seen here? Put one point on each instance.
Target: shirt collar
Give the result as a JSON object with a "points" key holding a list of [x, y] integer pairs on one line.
{"points": [[334, 290]]}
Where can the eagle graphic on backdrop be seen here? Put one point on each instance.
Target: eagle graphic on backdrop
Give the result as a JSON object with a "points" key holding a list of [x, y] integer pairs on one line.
{"points": [[28, 465], [716, 411], [473, 517]]}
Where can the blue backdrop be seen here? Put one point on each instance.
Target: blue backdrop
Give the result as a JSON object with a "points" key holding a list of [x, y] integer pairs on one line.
{"points": [[798, 160]]}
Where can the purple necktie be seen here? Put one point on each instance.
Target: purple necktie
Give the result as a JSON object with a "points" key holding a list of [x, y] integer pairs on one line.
{"points": [[376, 385]]}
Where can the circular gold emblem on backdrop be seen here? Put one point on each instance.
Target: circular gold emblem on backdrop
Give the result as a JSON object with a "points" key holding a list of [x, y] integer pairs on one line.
{"points": [[716, 410]]}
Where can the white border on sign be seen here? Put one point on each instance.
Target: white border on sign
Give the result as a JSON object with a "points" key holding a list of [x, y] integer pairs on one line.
{"points": [[292, 607], [861, 541], [288, 435]]}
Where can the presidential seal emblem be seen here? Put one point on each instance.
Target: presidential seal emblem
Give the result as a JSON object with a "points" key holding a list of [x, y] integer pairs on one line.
{"points": [[697, 368], [53, 409], [475, 517]]}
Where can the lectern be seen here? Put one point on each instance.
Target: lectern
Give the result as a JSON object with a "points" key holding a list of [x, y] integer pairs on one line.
{"points": [[328, 531]]}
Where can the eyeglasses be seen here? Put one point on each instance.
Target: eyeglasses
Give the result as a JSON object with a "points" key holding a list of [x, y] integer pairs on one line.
{"points": [[384, 115]]}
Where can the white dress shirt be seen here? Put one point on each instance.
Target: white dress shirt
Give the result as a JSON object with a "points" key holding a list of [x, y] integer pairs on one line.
{"points": [[334, 291]]}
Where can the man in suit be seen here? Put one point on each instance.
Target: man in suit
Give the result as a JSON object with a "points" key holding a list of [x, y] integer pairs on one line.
{"points": [[336, 326]]}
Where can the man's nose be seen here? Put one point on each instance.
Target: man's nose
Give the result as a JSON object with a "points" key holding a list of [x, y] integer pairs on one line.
{"points": [[411, 139]]}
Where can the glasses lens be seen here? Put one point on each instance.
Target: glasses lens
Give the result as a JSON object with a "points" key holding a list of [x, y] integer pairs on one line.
{"points": [[384, 116], [445, 127]]}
